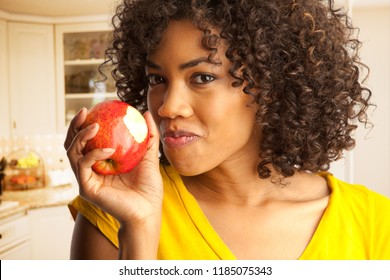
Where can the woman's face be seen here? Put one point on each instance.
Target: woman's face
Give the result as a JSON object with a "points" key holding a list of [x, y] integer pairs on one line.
{"points": [[203, 121]]}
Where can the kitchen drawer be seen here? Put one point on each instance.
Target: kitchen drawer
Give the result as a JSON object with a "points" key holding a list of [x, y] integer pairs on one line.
{"points": [[12, 231], [21, 251]]}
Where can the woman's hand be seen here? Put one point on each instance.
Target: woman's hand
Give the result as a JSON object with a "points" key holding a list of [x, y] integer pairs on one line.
{"points": [[132, 198]]}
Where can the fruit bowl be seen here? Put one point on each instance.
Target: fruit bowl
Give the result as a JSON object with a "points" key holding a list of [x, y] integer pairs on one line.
{"points": [[25, 170]]}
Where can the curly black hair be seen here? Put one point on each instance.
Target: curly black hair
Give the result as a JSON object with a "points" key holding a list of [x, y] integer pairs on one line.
{"points": [[297, 58]]}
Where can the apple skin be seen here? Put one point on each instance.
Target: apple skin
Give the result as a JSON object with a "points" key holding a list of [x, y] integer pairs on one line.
{"points": [[121, 127]]}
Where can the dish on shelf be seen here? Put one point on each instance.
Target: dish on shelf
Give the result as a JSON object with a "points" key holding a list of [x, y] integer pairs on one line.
{"points": [[85, 47]]}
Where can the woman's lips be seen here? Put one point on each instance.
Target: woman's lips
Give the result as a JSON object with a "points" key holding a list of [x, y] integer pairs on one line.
{"points": [[178, 138]]}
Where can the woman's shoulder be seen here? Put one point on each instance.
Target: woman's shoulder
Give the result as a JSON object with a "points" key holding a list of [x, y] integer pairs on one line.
{"points": [[353, 189], [364, 198], [356, 221]]}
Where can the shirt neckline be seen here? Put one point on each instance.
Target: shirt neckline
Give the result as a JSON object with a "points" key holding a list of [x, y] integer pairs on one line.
{"points": [[311, 246], [213, 239], [199, 219]]}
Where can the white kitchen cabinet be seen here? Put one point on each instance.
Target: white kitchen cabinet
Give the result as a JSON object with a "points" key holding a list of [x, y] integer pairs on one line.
{"points": [[4, 95], [20, 252], [31, 78], [79, 52], [15, 238], [51, 233]]}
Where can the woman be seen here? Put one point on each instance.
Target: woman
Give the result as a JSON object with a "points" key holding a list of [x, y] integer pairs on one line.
{"points": [[251, 101]]}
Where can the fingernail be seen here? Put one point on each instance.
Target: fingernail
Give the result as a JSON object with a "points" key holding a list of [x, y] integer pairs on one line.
{"points": [[82, 109], [94, 125], [108, 150]]}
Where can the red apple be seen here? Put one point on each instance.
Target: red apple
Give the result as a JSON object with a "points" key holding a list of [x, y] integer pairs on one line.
{"points": [[121, 127]]}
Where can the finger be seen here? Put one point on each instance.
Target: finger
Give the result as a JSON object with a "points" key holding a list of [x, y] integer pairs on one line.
{"points": [[154, 139], [75, 150], [86, 162], [74, 127]]}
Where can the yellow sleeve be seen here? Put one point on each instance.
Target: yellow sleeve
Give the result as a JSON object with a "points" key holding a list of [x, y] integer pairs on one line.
{"points": [[107, 224]]}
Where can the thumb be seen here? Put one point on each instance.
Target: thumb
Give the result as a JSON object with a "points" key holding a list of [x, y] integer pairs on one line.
{"points": [[154, 136]]}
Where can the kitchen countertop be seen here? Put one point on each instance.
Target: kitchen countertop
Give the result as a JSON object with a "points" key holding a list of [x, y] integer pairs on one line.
{"points": [[38, 198]]}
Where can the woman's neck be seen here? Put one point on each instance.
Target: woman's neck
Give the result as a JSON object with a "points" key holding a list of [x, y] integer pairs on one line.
{"points": [[242, 186]]}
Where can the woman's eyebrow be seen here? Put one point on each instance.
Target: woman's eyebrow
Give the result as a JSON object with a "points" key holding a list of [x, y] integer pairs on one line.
{"points": [[150, 64], [186, 65], [197, 61]]}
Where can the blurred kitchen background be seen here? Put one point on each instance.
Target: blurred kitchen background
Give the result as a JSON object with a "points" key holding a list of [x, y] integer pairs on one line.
{"points": [[49, 54]]}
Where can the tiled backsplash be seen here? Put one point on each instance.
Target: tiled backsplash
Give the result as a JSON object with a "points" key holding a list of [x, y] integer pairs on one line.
{"points": [[49, 147]]}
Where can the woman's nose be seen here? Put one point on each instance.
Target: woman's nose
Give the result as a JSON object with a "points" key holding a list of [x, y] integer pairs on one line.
{"points": [[176, 103]]}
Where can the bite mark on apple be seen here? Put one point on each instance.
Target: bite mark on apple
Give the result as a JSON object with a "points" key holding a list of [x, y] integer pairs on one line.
{"points": [[136, 124]]}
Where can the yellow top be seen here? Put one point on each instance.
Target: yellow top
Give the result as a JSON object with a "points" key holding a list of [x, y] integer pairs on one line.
{"points": [[355, 225]]}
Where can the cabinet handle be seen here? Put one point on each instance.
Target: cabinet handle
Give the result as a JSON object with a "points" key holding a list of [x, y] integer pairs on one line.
{"points": [[14, 124]]}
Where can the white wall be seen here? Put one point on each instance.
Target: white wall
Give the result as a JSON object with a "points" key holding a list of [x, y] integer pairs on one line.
{"points": [[4, 97], [371, 157]]}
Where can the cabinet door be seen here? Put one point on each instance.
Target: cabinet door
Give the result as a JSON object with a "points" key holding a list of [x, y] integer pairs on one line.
{"points": [[79, 52], [31, 78], [51, 233], [4, 97], [20, 252], [15, 238]]}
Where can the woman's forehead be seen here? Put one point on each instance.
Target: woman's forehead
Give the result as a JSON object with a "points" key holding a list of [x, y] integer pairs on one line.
{"points": [[184, 33]]}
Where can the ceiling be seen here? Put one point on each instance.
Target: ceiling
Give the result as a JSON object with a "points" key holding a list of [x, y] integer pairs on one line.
{"points": [[66, 8], [58, 8]]}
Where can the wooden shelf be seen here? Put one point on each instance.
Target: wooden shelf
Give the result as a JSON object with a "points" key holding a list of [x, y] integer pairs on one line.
{"points": [[83, 62], [90, 95]]}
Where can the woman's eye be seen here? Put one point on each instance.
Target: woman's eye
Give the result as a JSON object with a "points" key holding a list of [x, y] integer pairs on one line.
{"points": [[155, 80], [202, 78]]}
